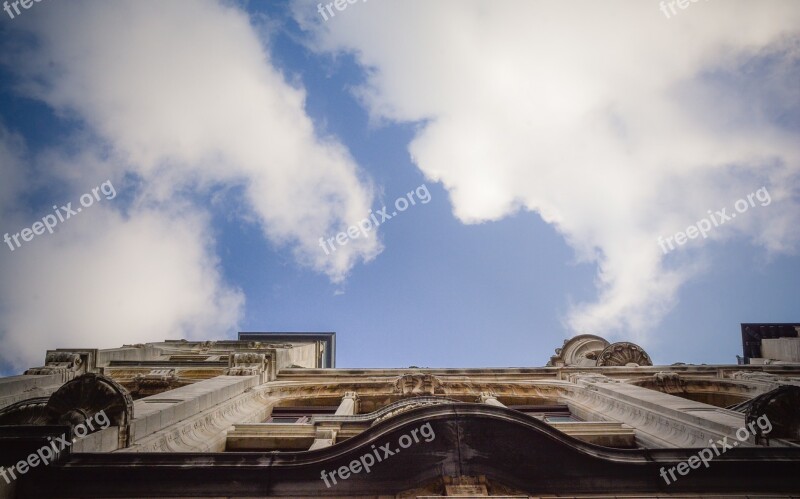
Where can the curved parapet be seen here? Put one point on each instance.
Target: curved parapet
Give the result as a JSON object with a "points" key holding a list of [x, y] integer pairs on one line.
{"points": [[421, 449]]}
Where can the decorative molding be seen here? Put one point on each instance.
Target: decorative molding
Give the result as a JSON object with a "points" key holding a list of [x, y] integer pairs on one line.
{"points": [[246, 364], [412, 404], [581, 350], [258, 345], [590, 378], [382, 413], [205, 431], [25, 412], [653, 429], [83, 397], [623, 353], [771, 380], [414, 385], [781, 407], [669, 382], [155, 382], [74, 403], [484, 396], [67, 364]]}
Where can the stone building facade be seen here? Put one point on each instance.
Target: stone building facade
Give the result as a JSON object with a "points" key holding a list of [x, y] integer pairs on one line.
{"points": [[269, 415]]}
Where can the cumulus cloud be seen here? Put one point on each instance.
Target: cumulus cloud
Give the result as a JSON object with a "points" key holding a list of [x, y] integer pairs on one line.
{"points": [[182, 98], [189, 97], [103, 280], [613, 123]]}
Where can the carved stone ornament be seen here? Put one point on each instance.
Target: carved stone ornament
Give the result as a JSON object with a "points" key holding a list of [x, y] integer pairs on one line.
{"points": [[412, 385], [775, 414], [64, 363], [25, 412], [624, 353], [85, 396], [257, 345], [154, 382], [590, 378], [76, 402], [669, 382], [767, 378], [207, 345], [246, 364], [409, 406], [581, 350], [484, 396]]}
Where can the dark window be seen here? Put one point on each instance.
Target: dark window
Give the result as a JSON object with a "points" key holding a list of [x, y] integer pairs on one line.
{"points": [[298, 415], [556, 413], [287, 419]]}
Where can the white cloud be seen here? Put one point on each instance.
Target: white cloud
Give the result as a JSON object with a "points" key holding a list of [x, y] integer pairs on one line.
{"points": [[606, 118], [182, 97], [187, 95], [102, 280]]}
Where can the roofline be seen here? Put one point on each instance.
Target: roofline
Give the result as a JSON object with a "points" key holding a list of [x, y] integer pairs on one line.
{"points": [[328, 337]]}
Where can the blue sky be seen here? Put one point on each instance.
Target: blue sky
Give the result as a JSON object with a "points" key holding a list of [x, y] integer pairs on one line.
{"points": [[236, 134]]}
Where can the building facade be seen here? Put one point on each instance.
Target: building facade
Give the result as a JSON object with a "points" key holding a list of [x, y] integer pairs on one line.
{"points": [[269, 415]]}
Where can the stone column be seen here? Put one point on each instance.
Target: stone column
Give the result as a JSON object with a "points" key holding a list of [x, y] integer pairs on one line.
{"points": [[490, 399], [349, 405], [324, 438], [326, 434]]}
